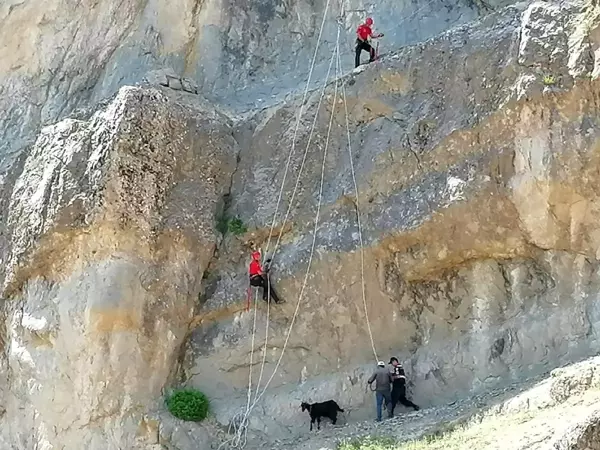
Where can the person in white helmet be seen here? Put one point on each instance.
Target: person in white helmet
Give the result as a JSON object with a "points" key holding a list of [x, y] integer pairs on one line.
{"points": [[383, 392]]}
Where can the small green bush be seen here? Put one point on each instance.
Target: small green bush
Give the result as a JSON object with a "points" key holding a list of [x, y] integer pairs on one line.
{"points": [[549, 80], [188, 404], [234, 226], [237, 227]]}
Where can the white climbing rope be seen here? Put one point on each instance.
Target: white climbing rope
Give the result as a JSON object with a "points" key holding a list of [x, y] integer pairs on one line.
{"points": [[359, 226], [240, 438], [296, 128], [310, 136], [306, 89], [289, 159], [264, 356], [317, 216], [252, 352], [241, 430]]}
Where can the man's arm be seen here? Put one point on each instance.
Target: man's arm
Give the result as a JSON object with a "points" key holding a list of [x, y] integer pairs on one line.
{"points": [[401, 373], [372, 378]]}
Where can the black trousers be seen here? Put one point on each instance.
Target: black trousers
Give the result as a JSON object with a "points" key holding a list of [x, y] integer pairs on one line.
{"points": [[360, 46], [399, 396], [263, 282]]}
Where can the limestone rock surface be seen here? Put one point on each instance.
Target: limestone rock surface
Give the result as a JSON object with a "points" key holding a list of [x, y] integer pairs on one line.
{"points": [[475, 156], [475, 151], [60, 55], [112, 227]]}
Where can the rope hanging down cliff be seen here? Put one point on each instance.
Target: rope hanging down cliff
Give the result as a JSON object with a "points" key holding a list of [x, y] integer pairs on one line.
{"points": [[339, 73], [240, 421], [289, 159]]}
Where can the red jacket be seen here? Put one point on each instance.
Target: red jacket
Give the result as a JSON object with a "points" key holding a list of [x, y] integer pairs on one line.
{"points": [[255, 268], [364, 32]]}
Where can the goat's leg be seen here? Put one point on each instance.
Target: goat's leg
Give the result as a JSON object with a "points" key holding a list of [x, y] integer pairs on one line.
{"points": [[312, 420], [333, 417], [319, 423]]}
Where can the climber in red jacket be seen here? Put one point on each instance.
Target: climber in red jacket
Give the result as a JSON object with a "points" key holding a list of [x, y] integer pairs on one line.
{"points": [[363, 34], [260, 278]]}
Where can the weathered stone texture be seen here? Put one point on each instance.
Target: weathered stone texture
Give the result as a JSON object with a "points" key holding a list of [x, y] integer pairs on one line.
{"points": [[112, 224], [241, 54], [477, 160], [477, 199]]}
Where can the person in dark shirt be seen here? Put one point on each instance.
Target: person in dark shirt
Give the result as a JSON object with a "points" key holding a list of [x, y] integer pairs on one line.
{"points": [[382, 378], [399, 385]]}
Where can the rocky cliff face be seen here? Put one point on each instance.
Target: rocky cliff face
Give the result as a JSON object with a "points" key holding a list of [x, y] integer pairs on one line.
{"points": [[476, 158], [477, 204], [108, 250], [239, 54]]}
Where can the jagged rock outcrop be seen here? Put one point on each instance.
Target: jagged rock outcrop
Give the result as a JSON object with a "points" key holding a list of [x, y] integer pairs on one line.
{"points": [[476, 158], [112, 227]]}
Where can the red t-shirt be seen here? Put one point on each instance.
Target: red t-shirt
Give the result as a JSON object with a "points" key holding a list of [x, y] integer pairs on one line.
{"points": [[364, 31], [255, 268]]}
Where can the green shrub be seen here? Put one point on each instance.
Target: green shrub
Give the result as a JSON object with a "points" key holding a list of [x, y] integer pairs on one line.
{"points": [[237, 227], [549, 80], [188, 404]]}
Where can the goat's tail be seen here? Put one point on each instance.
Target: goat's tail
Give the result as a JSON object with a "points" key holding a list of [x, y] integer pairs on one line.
{"points": [[340, 409]]}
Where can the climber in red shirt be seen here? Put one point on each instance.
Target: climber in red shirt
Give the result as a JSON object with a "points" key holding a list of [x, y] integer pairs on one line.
{"points": [[260, 278], [363, 34]]}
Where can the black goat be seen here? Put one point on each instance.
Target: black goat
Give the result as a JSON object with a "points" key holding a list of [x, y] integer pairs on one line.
{"points": [[324, 409]]}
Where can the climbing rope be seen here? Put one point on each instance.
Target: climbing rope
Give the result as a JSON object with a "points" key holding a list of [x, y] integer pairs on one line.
{"points": [[252, 352], [289, 159], [240, 420], [358, 221], [264, 358], [317, 217], [314, 236], [241, 427], [301, 110], [340, 25], [310, 72]]}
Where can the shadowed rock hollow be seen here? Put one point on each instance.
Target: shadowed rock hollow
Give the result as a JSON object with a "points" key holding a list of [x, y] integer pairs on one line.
{"points": [[477, 158]]}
